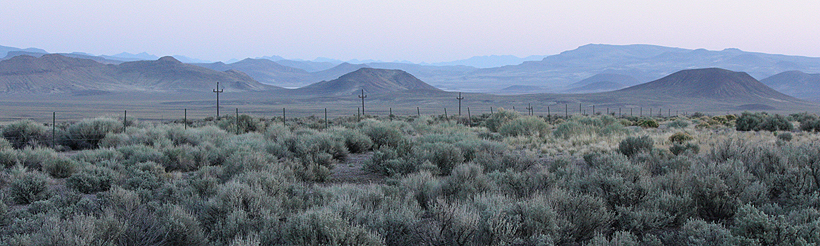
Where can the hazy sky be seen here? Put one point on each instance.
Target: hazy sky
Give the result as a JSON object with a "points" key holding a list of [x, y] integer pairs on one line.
{"points": [[418, 31]]}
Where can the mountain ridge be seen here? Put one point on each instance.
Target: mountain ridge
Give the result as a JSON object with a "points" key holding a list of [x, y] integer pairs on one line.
{"points": [[56, 73]]}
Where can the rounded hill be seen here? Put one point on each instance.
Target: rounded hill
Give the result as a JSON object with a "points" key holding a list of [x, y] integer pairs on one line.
{"points": [[709, 83], [371, 80]]}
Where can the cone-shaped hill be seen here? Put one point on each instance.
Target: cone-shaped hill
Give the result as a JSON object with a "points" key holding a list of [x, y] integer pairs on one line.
{"points": [[370, 80], [54, 73], [796, 83], [710, 84]]}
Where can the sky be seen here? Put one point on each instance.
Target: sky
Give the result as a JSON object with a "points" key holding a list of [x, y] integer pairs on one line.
{"points": [[416, 31]]}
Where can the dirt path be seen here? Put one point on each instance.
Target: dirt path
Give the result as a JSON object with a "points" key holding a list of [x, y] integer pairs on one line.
{"points": [[351, 171]]}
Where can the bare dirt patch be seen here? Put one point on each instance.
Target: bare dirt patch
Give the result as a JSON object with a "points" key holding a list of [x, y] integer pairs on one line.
{"points": [[352, 171]]}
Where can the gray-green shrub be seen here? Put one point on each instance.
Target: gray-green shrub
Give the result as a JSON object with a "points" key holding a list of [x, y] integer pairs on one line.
{"points": [[524, 126], [355, 141], [785, 136], [444, 156], [570, 128], [633, 145], [499, 118], [382, 135], [29, 187], [26, 133], [678, 148], [762, 121], [88, 133], [679, 123], [60, 168], [387, 161], [91, 179], [323, 227]]}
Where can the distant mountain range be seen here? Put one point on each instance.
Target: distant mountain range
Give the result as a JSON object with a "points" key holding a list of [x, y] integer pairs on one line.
{"points": [[558, 73], [4, 50], [54, 73], [588, 69], [489, 61], [643, 62]]}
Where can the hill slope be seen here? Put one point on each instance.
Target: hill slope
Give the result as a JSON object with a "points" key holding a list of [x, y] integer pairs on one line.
{"points": [[796, 83], [265, 71], [600, 86], [711, 84], [606, 77], [370, 80], [55, 73]]}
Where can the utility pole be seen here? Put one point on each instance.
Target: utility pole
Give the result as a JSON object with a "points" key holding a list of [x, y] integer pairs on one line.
{"points": [[529, 108], [459, 103], [217, 91], [363, 96]]}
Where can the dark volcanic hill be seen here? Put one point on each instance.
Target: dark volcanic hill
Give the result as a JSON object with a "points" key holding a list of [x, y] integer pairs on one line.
{"points": [[711, 84], [371, 80], [796, 83], [55, 73]]}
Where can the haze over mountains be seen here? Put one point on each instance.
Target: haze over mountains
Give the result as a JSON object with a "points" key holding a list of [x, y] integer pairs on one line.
{"points": [[54, 73], [555, 73], [588, 69]]}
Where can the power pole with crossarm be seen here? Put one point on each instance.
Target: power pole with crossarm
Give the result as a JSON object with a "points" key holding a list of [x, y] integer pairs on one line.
{"points": [[459, 103], [217, 91], [363, 96]]}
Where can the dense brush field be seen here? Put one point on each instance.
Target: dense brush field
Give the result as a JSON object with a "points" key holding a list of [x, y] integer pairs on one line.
{"points": [[509, 179]]}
